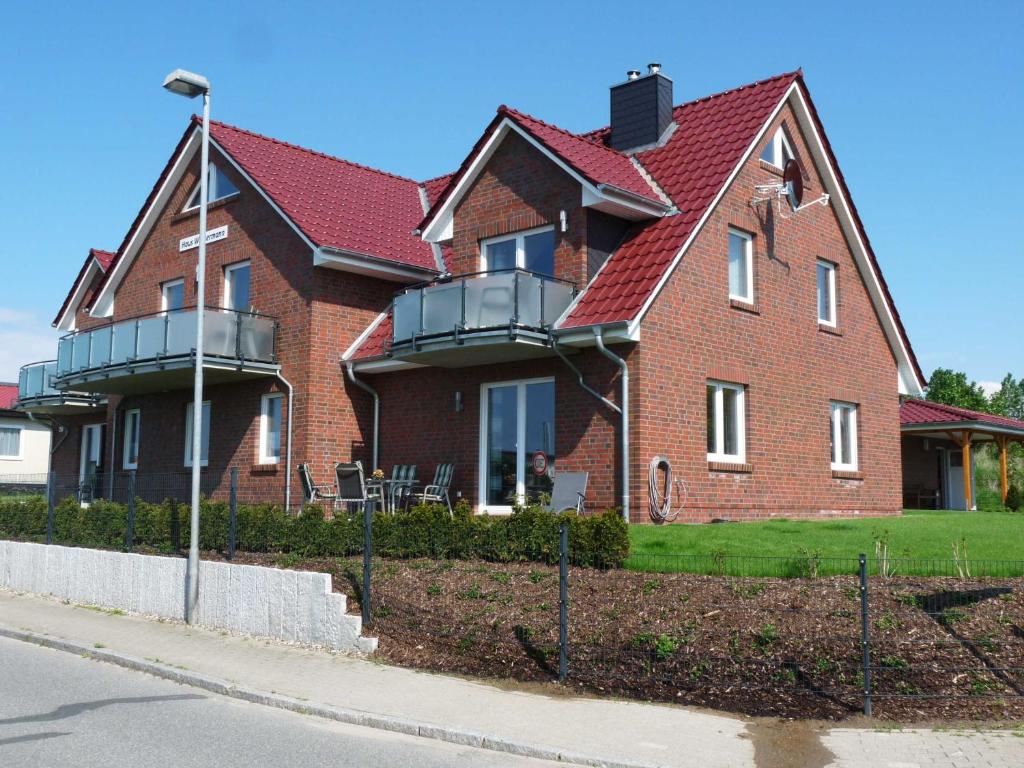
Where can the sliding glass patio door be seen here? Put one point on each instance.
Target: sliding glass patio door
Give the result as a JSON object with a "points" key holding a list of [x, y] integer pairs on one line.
{"points": [[517, 442]]}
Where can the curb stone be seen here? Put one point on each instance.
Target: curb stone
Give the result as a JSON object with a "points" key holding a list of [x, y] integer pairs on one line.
{"points": [[460, 736]]}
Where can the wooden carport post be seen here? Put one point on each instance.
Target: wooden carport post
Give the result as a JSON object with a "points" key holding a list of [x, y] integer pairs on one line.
{"points": [[964, 441], [1003, 441]]}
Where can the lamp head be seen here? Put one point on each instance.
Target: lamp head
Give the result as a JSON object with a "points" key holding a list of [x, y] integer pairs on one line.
{"points": [[185, 83]]}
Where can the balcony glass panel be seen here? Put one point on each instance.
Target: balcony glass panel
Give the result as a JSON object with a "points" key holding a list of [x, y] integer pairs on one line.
{"points": [[256, 340], [529, 301], [557, 297], [442, 308], [99, 354], [219, 331], [181, 332], [34, 380], [490, 300], [64, 355], [407, 315], [80, 352], [152, 337], [124, 342]]}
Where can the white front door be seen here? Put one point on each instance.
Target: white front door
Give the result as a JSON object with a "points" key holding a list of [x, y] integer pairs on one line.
{"points": [[955, 496], [517, 442]]}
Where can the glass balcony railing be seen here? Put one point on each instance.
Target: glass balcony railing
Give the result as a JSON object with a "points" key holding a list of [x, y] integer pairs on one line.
{"points": [[226, 334], [37, 393], [512, 299]]}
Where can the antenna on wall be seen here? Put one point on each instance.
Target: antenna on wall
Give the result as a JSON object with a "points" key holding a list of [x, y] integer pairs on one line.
{"points": [[791, 188]]}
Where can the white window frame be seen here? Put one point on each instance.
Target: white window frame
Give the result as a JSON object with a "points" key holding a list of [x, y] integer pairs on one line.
{"points": [[780, 147], [832, 303], [719, 455], [188, 433], [521, 466], [265, 401], [835, 424], [192, 203], [519, 237], [228, 271], [83, 459], [136, 414], [171, 284], [749, 248], [21, 442]]}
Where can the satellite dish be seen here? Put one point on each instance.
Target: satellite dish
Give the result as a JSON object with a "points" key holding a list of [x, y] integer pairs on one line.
{"points": [[793, 181]]}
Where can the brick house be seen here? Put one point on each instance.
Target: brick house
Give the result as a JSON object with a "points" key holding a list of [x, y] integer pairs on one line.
{"points": [[656, 288]]}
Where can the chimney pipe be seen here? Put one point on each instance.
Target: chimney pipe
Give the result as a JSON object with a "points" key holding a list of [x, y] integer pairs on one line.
{"points": [[641, 109], [633, 74], [653, 68]]}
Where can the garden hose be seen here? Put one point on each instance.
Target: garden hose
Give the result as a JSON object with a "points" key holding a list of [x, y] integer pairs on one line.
{"points": [[660, 499]]}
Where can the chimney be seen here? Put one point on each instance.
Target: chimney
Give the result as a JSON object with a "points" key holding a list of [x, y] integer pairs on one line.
{"points": [[641, 108]]}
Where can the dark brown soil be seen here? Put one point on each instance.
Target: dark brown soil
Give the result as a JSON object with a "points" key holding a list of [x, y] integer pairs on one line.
{"points": [[943, 649]]}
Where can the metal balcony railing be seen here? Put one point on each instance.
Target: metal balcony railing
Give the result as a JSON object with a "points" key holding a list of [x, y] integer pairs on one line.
{"points": [[35, 380], [506, 299], [226, 334]]}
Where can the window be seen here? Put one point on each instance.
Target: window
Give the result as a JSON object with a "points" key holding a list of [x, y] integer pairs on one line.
{"points": [[91, 457], [844, 436], [741, 266], [517, 442], [270, 429], [218, 185], [532, 250], [826, 293], [132, 423], [726, 417], [204, 449], [172, 295], [10, 442], [777, 151], [236, 287]]}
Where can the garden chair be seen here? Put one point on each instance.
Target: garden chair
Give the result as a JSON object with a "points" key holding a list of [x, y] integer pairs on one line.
{"points": [[352, 484], [437, 491], [312, 492], [569, 492], [402, 478]]}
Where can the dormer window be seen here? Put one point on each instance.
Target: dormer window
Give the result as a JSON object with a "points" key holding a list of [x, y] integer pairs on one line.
{"points": [[219, 187], [532, 250], [777, 151]]}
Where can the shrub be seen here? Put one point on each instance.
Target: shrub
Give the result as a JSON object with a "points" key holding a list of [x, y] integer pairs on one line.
{"points": [[1014, 498], [529, 534]]}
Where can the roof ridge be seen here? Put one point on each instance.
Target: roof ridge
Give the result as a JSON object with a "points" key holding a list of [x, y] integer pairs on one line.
{"points": [[437, 178], [307, 150], [507, 109], [957, 409], [764, 81]]}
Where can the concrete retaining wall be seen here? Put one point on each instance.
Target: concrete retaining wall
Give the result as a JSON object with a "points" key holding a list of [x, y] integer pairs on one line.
{"points": [[297, 606]]}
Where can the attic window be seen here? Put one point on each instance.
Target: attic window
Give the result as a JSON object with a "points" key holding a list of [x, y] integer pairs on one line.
{"points": [[777, 151], [220, 186]]}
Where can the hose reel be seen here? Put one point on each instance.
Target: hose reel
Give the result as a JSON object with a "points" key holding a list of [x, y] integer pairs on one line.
{"points": [[660, 498]]}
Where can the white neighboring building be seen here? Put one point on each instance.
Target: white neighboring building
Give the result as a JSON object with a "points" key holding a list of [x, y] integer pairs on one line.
{"points": [[24, 443]]}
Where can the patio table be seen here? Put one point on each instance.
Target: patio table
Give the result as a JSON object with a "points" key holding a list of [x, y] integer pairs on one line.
{"points": [[387, 488]]}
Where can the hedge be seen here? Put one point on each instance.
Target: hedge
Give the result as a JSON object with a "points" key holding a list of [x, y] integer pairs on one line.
{"points": [[528, 534]]}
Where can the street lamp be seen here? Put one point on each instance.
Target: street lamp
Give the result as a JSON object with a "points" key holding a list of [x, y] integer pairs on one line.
{"points": [[191, 85]]}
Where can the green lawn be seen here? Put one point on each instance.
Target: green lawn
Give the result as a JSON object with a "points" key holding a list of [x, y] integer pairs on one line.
{"points": [[789, 547]]}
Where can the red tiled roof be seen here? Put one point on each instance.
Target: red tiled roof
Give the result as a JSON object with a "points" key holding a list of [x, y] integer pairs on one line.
{"points": [[434, 187], [8, 396], [376, 343], [335, 203], [103, 258], [711, 136], [918, 412]]}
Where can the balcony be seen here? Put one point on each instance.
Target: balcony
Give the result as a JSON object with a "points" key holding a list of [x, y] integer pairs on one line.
{"points": [[157, 352], [478, 319], [36, 393]]}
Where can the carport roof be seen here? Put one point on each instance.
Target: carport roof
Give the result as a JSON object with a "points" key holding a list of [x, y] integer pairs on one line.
{"points": [[923, 415]]}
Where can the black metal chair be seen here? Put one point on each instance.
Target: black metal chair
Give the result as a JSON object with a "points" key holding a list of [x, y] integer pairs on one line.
{"points": [[569, 492]]}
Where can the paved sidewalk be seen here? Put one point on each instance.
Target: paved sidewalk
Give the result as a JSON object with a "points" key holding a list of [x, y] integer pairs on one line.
{"points": [[575, 730]]}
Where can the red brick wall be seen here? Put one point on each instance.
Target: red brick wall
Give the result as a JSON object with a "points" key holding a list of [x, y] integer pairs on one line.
{"points": [[791, 368]]}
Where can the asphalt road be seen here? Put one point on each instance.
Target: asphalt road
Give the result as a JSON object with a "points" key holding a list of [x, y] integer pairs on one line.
{"points": [[57, 709]]}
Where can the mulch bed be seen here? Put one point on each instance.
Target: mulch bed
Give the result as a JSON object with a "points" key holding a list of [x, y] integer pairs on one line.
{"points": [[944, 649]]}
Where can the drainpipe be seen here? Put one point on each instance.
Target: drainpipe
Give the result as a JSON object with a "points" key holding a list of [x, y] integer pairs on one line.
{"points": [[288, 447], [579, 377], [376, 411], [598, 337]]}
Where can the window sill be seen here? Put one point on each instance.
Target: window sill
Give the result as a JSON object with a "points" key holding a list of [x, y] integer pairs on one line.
{"points": [[847, 474], [771, 167], [728, 466], [744, 306], [265, 469], [833, 330], [209, 207]]}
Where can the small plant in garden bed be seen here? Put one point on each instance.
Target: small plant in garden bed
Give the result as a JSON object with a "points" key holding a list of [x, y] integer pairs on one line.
{"points": [[766, 637], [886, 622]]}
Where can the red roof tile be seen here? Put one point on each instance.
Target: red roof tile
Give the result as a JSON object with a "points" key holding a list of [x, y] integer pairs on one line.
{"points": [[376, 343], [690, 168], [8, 396], [918, 412], [103, 259], [434, 187], [335, 203]]}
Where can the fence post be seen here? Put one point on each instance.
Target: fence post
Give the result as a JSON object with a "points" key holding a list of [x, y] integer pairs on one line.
{"points": [[865, 638], [563, 602], [51, 491], [367, 560], [233, 514], [175, 526], [129, 534]]}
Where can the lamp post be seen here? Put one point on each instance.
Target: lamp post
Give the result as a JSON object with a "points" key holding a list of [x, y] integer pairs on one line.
{"points": [[191, 85]]}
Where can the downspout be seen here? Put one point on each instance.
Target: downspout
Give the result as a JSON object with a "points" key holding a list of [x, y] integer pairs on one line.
{"points": [[376, 411], [113, 452], [598, 337], [579, 377], [288, 446]]}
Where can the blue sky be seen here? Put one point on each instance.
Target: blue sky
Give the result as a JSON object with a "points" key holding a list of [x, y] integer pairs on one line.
{"points": [[922, 102]]}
